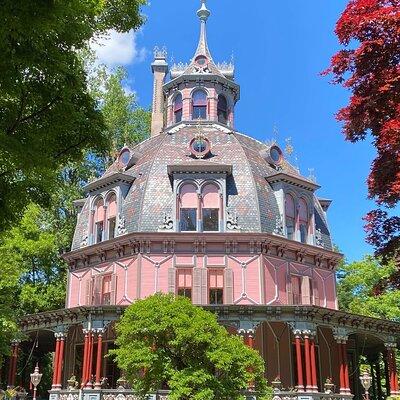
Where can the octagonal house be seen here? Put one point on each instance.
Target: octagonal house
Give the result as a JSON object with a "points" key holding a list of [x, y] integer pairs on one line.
{"points": [[204, 211]]}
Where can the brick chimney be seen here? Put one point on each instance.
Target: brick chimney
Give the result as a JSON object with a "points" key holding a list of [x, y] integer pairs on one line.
{"points": [[160, 70]]}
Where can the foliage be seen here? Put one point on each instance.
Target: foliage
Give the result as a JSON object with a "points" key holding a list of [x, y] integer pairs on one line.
{"points": [[47, 116], [167, 340], [363, 288], [370, 68]]}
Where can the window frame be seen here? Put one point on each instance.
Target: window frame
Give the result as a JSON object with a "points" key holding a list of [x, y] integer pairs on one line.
{"points": [[201, 105], [178, 110], [222, 110]]}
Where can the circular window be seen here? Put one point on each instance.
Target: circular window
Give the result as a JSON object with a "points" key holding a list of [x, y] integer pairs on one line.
{"points": [[201, 60], [124, 157], [274, 155], [200, 147]]}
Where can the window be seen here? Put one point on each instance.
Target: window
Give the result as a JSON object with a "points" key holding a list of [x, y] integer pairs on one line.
{"points": [[216, 286], [188, 208], [106, 290], [210, 208], [222, 110], [124, 157], [303, 221], [290, 216], [184, 283], [178, 108], [199, 102], [99, 215], [112, 216]]}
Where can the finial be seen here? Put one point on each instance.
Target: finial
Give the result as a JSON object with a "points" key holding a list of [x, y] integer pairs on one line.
{"points": [[203, 13]]}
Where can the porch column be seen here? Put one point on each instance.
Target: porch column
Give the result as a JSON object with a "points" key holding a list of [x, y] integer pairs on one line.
{"points": [[300, 383], [248, 338], [346, 367], [13, 363], [341, 340], [99, 358], [314, 381], [55, 361], [85, 357], [89, 383], [60, 360], [391, 360], [307, 355]]}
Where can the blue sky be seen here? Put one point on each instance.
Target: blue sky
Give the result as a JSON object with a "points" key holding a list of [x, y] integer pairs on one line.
{"points": [[279, 49]]}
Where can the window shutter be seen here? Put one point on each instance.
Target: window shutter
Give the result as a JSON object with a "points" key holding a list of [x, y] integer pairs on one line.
{"points": [[196, 285], [305, 290], [316, 294], [228, 286], [89, 292], [171, 279], [98, 283], [204, 279], [289, 290], [113, 294]]}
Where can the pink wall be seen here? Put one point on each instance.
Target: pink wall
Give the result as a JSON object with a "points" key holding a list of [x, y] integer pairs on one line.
{"points": [[256, 279]]}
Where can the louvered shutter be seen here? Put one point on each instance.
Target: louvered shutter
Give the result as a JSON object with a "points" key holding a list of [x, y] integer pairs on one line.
{"points": [[204, 279], [228, 286], [113, 293], [197, 285], [89, 292], [316, 294], [305, 290], [289, 289], [171, 279], [98, 283]]}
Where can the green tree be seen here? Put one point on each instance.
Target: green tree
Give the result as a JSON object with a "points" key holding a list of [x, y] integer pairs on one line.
{"points": [[167, 340], [47, 116], [364, 288]]}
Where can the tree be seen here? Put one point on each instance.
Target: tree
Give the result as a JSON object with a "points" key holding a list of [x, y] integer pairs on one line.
{"points": [[47, 116], [370, 68], [364, 288], [165, 340]]}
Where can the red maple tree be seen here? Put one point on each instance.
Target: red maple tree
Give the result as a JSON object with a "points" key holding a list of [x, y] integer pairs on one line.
{"points": [[369, 66]]}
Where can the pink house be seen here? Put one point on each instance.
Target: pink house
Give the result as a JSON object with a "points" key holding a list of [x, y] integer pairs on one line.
{"points": [[204, 211]]}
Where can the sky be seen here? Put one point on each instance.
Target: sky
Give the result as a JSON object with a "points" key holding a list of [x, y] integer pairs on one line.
{"points": [[279, 49]]}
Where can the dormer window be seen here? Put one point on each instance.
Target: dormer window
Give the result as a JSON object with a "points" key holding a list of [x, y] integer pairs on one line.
{"points": [[199, 105], [188, 205], [99, 221], [178, 108], [303, 221], [111, 216], [222, 109], [290, 211], [210, 208]]}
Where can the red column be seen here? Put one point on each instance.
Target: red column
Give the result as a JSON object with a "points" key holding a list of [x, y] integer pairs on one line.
{"points": [[341, 368], [345, 368], [60, 361], [14, 359], [11, 366], [391, 360], [55, 362], [313, 367], [99, 359], [90, 362], [308, 364], [85, 358], [300, 383]]}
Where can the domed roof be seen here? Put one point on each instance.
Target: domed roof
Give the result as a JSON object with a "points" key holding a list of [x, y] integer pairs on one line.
{"points": [[150, 197]]}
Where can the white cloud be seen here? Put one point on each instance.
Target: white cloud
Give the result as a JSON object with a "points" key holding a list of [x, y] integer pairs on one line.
{"points": [[118, 49]]}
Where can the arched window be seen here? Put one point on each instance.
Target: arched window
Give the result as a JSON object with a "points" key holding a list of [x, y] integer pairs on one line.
{"points": [[290, 216], [210, 208], [111, 216], [199, 104], [98, 221], [188, 201], [303, 221], [178, 108], [222, 109]]}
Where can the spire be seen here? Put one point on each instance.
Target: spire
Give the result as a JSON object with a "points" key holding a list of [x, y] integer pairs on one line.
{"points": [[203, 13]]}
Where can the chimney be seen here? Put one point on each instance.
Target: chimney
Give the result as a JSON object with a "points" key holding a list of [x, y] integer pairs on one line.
{"points": [[160, 70]]}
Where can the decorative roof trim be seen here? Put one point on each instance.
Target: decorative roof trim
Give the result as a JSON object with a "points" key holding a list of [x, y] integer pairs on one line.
{"points": [[293, 180], [325, 203], [108, 180], [198, 167]]}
